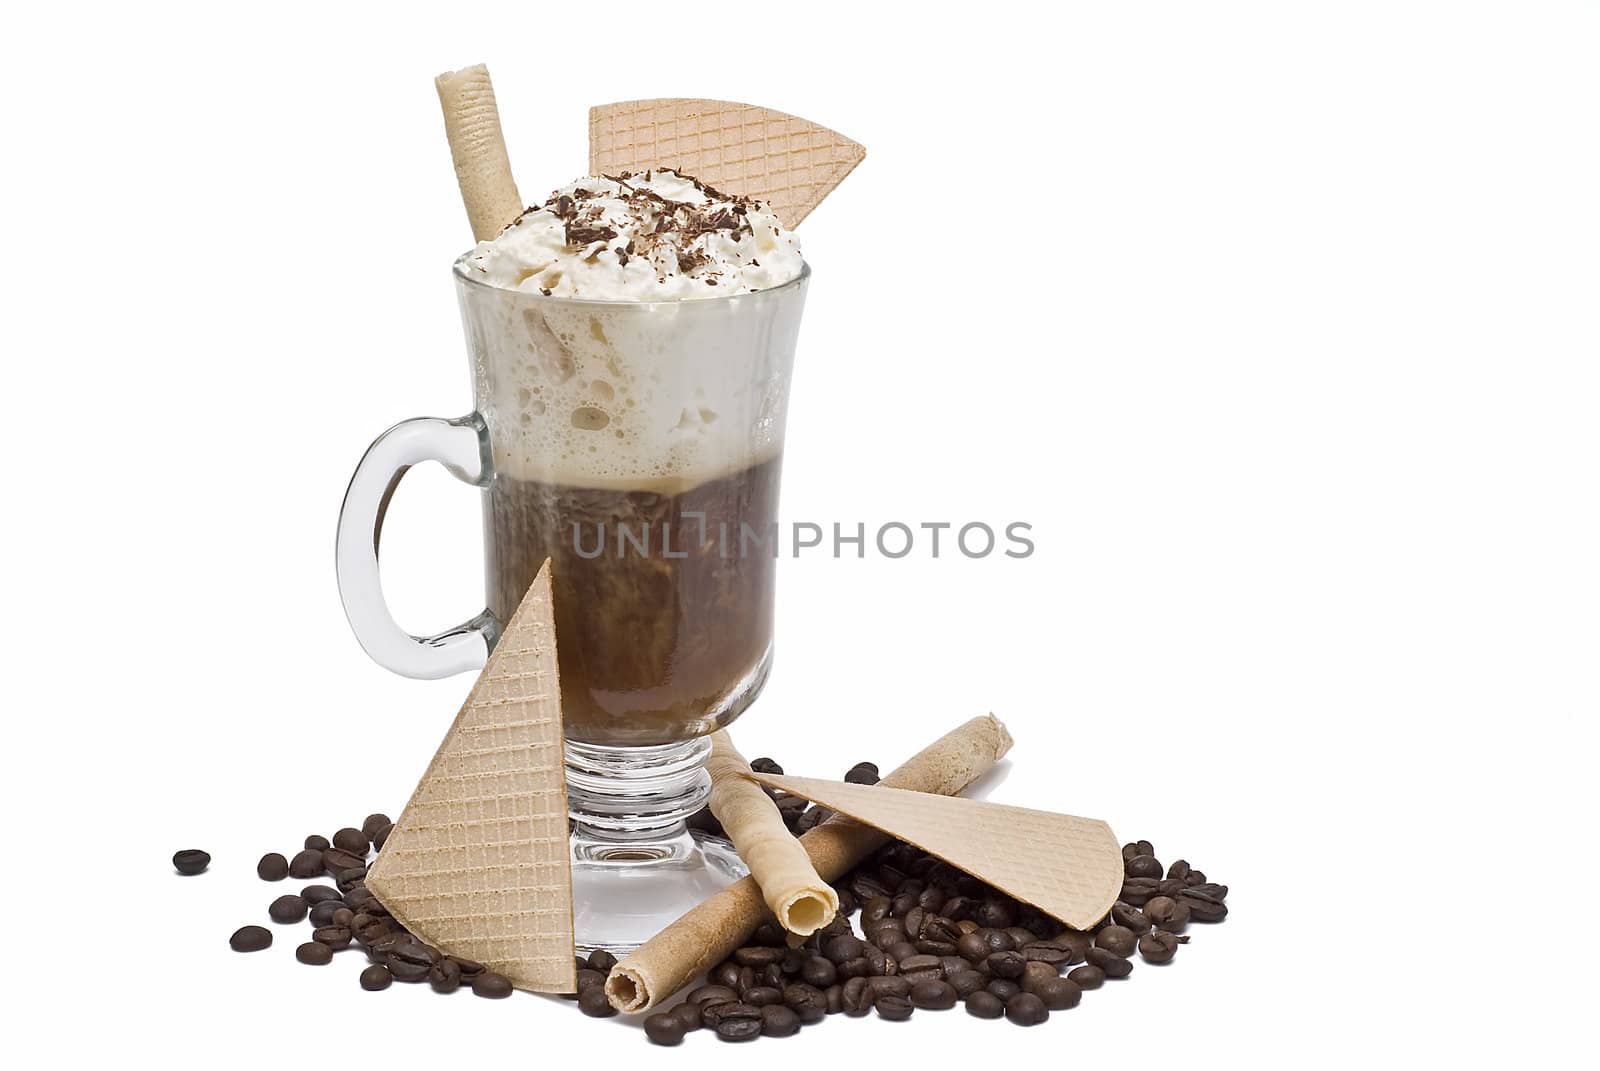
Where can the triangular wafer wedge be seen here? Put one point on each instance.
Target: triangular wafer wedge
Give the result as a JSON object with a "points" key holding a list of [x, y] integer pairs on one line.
{"points": [[1065, 866], [478, 865], [789, 162]]}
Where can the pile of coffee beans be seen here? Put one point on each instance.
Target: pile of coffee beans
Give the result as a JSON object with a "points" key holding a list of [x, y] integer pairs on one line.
{"points": [[930, 937], [347, 914]]}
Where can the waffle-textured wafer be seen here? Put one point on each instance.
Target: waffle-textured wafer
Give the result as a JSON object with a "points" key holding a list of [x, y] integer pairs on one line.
{"points": [[789, 162], [478, 150], [478, 864], [1065, 866]]}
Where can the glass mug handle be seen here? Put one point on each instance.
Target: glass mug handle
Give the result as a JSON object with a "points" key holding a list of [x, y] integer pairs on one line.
{"points": [[462, 447]]}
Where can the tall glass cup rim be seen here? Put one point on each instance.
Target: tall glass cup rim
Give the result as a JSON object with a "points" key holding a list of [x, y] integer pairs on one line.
{"points": [[464, 274]]}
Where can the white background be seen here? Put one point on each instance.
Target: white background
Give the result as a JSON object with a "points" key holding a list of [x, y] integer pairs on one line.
{"points": [[1277, 321]]}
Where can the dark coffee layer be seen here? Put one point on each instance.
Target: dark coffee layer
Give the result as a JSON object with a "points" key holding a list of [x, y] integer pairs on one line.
{"points": [[662, 622]]}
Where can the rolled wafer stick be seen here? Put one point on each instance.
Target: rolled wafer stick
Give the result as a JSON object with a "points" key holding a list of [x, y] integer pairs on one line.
{"points": [[800, 900], [478, 149], [709, 933]]}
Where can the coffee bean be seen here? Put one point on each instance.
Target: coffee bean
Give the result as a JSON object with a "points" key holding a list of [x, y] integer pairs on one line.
{"points": [[778, 1021], [1195, 877], [664, 1028], [973, 948], [322, 913], [725, 973], [762, 995], [1160, 946], [334, 937], [998, 940], [1006, 964], [842, 948], [860, 967], [967, 982], [336, 859], [857, 997], [317, 842], [993, 913], [380, 837], [688, 1015], [250, 939], [343, 916], [933, 995], [374, 822], [894, 1009], [835, 995], [1036, 974], [738, 1030], [747, 979], [349, 879], [757, 956], [494, 986], [306, 864], [912, 920], [889, 985], [314, 954], [1209, 891], [985, 1005], [445, 976], [469, 968], [712, 994], [1113, 965], [716, 1015], [1170, 887], [602, 961], [1054, 953], [407, 964], [1143, 866], [863, 773], [901, 951], [316, 894], [352, 840], [1179, 870], [1118, 939], [1204, 910], [1025, 1009], [1125, 914], [920, 962], [1087, 976], [190, 861], [1058, 994], [1168, 914], [807, 1001], [272, 867], [1004, 988], [375, 978], [767, 766], [289, 908]]}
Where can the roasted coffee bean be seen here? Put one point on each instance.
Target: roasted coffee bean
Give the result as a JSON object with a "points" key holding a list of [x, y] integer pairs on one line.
{"points": [[1118, 939], [381, 837], [1020, 936], [1160, 946], [1051, 952], [894, 1009], [343, 916], [712, 994], [250, 939], [190, 861], [1125, 914], [1169, 887], [360, 898], [602, 961], [1143, 866], [375, 978], [762, 995], [689, 1016], [1003, 988], [940, 929], [738, 1030], [349, 879], [985, 1005], [1179, 869], [1141, 847], [967, 982], [862, 773], [1035, 975], [334, 937], [1025, 1009], [718, 1015], [880, 961], [445, 976], [497, 987], [912, 920], [664, 1028], [289, 908], [1059, 994], [992, 913], [322, 913], [998, 940], [1087, 976], [757, 956], [336, 859], [374, 822], [841, 948], [726, 974], [902, 903], [766, 765], [1006, 964], [876, 909], [1195, 877], [1208, 891], [306, 864], [407, 963], [931, 900], [591, 1002], [469, 968], [860, 967], [933, 995], [819, 972], [778, 1021], [1204, 910], [901, 951], [1168, 914], [835, 995], [314, 954], [889, 985], [747, 979], [857, 997], [1138, 891], [352, 840], [1111, 964], [316, 894], [590, 979], [807, 1001], [317, 842], [973, 948], [272, 867]]}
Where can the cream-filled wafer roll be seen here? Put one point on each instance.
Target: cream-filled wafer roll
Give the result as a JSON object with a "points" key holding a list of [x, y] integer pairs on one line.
{"points": [[709, 933], [478, 149], [800, 900]]}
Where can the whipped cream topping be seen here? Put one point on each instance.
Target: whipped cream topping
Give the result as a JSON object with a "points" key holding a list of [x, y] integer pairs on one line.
{"points": [[644, 236]]}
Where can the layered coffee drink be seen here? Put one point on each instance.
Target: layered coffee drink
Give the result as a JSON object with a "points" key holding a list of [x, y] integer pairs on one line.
{"points": [[631, 343]]}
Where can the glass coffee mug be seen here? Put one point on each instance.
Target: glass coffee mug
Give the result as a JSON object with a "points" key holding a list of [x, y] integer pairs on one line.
{"points": [[637, 446]]}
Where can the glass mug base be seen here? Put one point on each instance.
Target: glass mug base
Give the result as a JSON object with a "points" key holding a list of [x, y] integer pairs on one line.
{"points": [[635, 865]]}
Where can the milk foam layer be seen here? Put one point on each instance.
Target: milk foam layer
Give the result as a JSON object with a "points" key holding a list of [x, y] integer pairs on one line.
{"points": [[660, 396], [649, 236]]}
